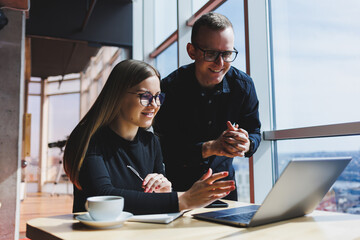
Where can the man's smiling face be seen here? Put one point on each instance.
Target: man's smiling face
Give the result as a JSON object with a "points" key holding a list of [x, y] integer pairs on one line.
{"points": [[210, 74]]}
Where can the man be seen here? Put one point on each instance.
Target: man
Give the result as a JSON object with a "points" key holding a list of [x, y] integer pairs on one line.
{"points": [[210, 113]]}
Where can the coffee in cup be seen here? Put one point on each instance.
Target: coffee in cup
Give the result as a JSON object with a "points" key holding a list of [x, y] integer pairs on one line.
{"points": [[105, 208]]}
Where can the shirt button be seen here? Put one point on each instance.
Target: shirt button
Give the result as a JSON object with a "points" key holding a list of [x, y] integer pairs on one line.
{"points": [[210, 101], [210, 122], [202, 94]]}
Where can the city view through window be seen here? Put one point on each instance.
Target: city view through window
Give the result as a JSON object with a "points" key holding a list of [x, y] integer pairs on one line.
{"points": [[344, 195]]}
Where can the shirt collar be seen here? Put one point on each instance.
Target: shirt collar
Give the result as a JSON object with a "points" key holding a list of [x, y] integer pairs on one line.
{"points": [[225, 85], [222, 87]]}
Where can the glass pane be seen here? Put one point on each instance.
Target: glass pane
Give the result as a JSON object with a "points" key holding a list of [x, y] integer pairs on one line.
{"points": [[35, 79], [64, 87], [33, 162], [63, 117], [165, 19], [234, 11], [34, 88], [241, 166], [166, 62], [316, 57], [197, 4], [344, 194]]}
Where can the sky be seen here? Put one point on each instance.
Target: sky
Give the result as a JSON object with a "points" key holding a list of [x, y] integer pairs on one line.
{"points": [[316, 60]]}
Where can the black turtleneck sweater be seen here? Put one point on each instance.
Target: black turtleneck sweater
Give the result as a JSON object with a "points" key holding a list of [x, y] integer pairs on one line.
{"points": [[105, 172]]}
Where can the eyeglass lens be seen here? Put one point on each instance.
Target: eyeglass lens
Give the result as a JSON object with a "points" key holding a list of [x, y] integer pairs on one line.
{"points": [[147, 98], [212, 55], [228, 56]]}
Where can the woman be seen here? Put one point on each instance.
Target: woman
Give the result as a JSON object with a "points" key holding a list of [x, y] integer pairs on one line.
{"points": [[111, 140]]}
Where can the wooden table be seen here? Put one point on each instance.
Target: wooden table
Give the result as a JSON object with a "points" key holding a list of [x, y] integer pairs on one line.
{"points": [[317, 225]]}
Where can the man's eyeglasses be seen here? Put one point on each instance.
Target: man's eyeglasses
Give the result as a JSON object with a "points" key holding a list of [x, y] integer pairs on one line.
{"points": [[212, 55], [146, 98]]}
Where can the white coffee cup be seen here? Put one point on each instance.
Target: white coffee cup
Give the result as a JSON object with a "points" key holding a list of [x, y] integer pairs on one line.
{"points": [[105, 208]]}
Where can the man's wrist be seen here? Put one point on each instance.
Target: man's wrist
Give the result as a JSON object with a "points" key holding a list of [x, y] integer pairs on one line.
{"points": [[206, 149]]}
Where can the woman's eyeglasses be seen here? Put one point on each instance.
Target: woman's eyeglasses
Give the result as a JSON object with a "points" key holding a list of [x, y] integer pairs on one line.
{"points": [[146, 98], [212, 55]]}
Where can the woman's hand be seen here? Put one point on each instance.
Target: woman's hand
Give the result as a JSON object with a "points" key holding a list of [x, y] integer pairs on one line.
{"points": [[157, 183], [206, 190]]}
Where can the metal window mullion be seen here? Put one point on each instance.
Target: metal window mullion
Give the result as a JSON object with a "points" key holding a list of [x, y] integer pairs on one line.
{"points": [[260, 62]]}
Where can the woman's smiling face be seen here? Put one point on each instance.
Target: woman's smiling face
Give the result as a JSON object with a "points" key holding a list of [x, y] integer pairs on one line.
{"points": [[132, 112]]}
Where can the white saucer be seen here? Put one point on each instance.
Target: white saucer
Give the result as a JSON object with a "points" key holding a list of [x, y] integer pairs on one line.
{"points": [[87, 220]]}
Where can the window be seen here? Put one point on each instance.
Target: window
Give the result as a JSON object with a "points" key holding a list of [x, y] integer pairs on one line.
{"points": [[166, 62], [197, 4], [33, 108], [165, 19], [34, 88], [234, 11], [315, 54], [64, 106], [33, 162], [63, 87], [346, 190], [63, 117]]}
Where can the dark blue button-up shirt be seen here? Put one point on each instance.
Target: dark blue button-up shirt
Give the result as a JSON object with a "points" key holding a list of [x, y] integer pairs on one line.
{"points": [[192, 115]]}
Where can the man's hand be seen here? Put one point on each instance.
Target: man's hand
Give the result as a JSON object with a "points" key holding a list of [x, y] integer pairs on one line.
{"points": [[232, 142], [238, 140]]}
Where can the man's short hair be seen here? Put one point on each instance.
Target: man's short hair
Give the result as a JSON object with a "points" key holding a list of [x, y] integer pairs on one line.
{"points": [[212, 20]]}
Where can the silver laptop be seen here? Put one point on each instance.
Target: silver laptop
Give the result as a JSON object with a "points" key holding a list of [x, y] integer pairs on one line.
{"points": [[298, 191]]}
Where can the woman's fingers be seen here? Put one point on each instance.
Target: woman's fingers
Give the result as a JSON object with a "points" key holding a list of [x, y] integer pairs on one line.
{"points": [[155, 181], [206, 190], [216, 176], [164, 186], [207, 174], [220, 189]]}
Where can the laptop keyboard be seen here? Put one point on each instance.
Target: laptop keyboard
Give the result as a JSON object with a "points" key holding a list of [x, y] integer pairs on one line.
{"points": [[243, 217]]}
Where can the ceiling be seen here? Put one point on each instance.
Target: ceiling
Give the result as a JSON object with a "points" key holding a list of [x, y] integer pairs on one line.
{"points": [[65, 34]]}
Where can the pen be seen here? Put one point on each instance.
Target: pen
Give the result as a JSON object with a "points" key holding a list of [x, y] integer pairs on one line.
{"points": [[134, 171]]}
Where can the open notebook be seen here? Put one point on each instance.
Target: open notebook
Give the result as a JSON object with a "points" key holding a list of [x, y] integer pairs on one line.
{"points": [[157, 218]]}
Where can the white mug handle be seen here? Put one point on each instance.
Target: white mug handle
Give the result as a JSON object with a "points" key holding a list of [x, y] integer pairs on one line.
{"points": [[86, 206]]}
